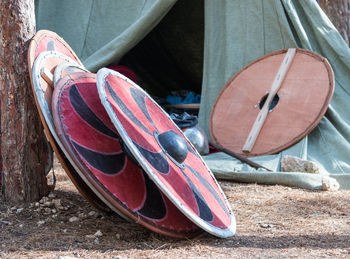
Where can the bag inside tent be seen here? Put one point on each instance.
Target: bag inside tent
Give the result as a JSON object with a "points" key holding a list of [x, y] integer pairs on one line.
{"points": [[197, 46]]}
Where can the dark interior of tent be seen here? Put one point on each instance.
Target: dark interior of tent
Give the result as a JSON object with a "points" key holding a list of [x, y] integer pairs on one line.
{"points": [[170, 57]]}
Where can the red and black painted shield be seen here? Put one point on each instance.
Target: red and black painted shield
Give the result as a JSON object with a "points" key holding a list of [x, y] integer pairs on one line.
{"points": [[42, 41], [165, 154], [92, 141], [57, 51]]}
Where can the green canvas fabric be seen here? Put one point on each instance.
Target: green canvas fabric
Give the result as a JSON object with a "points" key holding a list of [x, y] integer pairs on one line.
{"points": [[101, 31], [236, 33]]}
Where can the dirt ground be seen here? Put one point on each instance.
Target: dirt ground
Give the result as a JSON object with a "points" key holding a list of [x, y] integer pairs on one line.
{"points": [[272, 222]]}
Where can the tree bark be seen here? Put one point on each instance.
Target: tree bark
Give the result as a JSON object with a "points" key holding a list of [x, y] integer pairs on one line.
{"points": [[22, 138], [338, 12]]}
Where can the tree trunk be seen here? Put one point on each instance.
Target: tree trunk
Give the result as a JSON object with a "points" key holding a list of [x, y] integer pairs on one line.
{"points": [[22, 138], [338, 12]]}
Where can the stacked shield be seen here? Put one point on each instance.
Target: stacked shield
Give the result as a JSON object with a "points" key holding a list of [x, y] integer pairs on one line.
{"points": [[120, 149]]}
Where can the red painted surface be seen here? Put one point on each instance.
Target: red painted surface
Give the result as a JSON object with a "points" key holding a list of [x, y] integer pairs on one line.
{"points": [[47, 41]]}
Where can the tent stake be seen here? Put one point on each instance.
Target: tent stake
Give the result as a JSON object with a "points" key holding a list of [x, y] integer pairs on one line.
{"points": [[239, 157]]}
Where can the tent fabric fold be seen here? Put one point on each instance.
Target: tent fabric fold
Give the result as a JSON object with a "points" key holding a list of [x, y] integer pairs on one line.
{"points": [[236, 33], [101, 31]]}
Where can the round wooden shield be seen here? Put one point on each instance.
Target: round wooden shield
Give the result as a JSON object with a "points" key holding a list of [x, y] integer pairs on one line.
{"points": [[161, 149], [42, 92], [64, 69], [296, 109], [91, 140]]}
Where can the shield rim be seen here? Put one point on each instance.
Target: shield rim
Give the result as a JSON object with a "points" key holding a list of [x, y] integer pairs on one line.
{"points": [[223, 233]]}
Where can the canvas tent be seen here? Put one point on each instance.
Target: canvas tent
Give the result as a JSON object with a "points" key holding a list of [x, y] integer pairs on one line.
{"points": [[162, 40]]}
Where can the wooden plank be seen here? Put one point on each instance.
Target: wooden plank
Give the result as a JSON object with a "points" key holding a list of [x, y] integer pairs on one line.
{"points": [[277, 82], [47, 76]]}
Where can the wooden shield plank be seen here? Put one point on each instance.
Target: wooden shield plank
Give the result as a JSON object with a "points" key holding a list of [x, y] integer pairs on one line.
{"points": [[165, 154], [299, 104], [92, 142]]}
